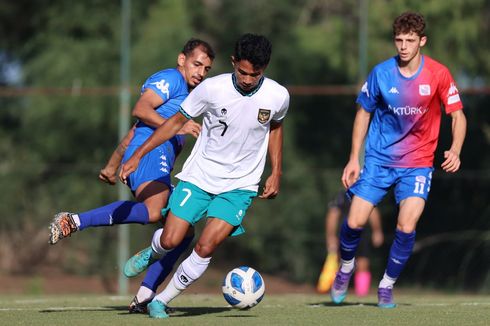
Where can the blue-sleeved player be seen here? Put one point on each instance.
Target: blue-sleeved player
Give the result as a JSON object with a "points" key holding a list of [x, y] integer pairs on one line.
{"points": [[161, 96], [404, 94]]}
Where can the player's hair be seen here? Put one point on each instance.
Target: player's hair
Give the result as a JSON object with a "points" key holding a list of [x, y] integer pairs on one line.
{"points": [[254, 48], [194, 43], [409, 22]]}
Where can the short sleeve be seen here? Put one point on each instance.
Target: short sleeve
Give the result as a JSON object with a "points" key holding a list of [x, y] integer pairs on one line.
{"points": [[448, 92], [164, 84], [368, 96], [281, 113], [196, 103]]}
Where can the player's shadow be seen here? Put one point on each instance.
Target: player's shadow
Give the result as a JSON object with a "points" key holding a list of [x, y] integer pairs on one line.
{"points": [[184, 311], [344, 304]]}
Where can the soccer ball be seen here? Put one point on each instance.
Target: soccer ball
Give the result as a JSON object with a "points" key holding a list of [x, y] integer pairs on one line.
{"points": [[243, 287]]}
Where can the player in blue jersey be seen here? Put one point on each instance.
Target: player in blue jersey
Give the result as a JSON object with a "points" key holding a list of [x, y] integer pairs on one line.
{"points": [[404, 94], [161, 96], [242, 122]]}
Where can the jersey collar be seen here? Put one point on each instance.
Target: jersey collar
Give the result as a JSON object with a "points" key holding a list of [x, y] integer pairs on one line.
{"points": [[242, 92]]}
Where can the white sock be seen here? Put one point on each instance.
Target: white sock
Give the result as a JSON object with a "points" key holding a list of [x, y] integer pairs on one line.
{"points": [[346, 266], [387, 282], [76, 219], [188, 271], [158, 250], [144, 294]]}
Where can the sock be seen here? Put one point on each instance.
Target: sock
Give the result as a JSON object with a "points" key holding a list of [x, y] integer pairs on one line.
{"points": [[346, 266], [119, 212], [362, 283], [349, 240], [189, 270], [157, 272], [158, 252], [144, 294], [387, 282], [400, 251]]}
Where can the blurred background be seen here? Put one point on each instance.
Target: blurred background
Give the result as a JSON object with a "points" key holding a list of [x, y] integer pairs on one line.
{"points": [[62, 68]]}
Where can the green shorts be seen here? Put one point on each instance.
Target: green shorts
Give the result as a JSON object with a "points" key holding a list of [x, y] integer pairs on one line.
{"points": [[191, 203]]}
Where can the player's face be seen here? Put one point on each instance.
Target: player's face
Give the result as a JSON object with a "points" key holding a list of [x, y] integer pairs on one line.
{"points": [[247, 77], [408, 46], [195, 66]]}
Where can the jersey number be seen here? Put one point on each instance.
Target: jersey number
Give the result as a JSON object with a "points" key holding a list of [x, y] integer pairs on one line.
{"points": [[189, 193], [224, 125], [419, 188]]}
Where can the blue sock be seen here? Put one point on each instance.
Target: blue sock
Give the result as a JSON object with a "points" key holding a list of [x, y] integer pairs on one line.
{"points": [[158, 271], [119, 212], [400, 251], [349, 240]]}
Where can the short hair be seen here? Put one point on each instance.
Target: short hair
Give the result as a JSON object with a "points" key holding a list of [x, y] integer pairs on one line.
{"points": [[409, 22], [254, 48], [195, 43]]}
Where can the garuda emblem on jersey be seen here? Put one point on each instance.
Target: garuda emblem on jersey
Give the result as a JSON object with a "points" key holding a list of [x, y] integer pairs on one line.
{"points": [[264, 115]]}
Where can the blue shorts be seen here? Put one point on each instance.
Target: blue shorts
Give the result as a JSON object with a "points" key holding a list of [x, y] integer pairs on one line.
{"points": [[191, 203], [376, 180], [154, 166]]}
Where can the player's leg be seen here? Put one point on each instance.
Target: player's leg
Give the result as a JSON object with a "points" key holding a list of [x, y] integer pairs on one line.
{"points": [[350, 236], [187, 205], [156, 275], [149, 182], [411, 192], [367, 192], [410, 211], [227, 211], [163, 242], [192, 268]]}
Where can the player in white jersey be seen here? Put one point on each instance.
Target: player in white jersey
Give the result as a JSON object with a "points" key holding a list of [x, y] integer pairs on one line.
{"points": [[242, 120]]}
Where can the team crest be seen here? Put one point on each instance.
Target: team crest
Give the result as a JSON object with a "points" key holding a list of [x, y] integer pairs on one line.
{"points": [[424, 90], [264, 115]]}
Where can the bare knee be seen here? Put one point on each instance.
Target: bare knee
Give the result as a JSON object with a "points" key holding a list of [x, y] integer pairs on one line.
{"points": [[406, 227], [154, 215], [168, 241], [204, 249]]}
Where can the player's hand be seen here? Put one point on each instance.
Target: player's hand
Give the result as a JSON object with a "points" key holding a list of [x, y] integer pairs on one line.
{"points": [[190, 127], [351, 173], [108, 175], [452, 162], [271, 188], [127, 168]]}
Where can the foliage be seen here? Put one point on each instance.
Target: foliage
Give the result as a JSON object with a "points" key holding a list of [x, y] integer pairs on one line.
{"points": [[57, 143]]}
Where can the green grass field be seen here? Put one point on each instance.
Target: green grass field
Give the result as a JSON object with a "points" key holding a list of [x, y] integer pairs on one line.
{"points": [[293, 309]]}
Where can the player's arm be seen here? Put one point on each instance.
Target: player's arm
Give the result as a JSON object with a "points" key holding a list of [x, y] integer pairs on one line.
{"points": [[352, 169], [108, 174], [331, 225], [145, 108], [163, 133], [272, 184], [377, 236], [452, 160]]}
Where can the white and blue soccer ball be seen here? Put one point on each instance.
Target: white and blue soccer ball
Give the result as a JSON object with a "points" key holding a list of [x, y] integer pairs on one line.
{"points": [[243, 287]]}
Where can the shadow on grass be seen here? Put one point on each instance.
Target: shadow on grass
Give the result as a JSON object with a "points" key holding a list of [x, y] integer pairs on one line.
{"points": [[344, 304], [351, 304]]}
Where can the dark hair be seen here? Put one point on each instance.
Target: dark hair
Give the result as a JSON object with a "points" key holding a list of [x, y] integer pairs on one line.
{"points": [[194, 43], [409, 22], [256, 49]]}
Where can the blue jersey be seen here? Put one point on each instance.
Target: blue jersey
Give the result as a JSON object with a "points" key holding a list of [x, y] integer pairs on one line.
{"points": [[171, 86], [407, 112]]}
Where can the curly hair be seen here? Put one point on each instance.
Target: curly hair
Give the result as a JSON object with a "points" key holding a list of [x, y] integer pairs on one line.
{"points": [[194, 43], [409, 22], [256, 49]]}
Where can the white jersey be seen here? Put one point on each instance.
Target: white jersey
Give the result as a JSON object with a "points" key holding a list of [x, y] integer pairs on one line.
{"points": [[230, 153]]}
